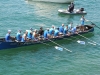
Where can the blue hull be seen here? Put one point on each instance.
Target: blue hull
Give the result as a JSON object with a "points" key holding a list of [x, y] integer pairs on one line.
{"points": [[8, 45]]}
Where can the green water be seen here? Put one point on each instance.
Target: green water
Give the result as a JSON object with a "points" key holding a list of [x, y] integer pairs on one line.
{"points": [[42, 59]]}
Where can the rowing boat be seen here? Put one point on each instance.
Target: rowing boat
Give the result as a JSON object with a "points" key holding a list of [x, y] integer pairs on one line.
{"points": [[75, 12], [8, 45]]}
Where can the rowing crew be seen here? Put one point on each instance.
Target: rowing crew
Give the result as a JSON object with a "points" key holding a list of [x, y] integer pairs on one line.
{"points": [[36, 35], [52, 32]]}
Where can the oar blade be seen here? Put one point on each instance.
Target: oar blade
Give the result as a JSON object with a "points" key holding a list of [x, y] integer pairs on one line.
{"points": [[59, 48], [81, 42]]}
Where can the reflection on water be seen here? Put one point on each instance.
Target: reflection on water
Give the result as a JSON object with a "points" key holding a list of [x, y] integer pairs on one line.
{"points": [[42, 8], [49, 12]]}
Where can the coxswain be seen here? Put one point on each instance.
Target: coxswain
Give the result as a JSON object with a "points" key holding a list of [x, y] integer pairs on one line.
{"points": [[8, 38], [82, 23], [18, 36]]}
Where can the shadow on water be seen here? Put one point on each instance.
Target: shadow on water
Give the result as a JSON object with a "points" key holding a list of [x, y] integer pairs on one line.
{"points": [[31, 48], [68, 18]]}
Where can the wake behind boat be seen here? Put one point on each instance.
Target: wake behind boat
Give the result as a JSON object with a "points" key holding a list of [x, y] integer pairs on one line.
{"points": [[75, 12], [14, 44]]}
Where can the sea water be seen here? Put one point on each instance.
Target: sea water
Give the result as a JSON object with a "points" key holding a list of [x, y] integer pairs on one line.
{"points": [[43, 59]]}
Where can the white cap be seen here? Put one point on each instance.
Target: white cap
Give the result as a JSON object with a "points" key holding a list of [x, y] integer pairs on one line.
{"points": [[9, 30]]}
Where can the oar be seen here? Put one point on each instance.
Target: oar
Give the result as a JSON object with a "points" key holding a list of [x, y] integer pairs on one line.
{"points": [[88, 39], [94, 24], [60, 45], [81, 42], [91, 43], [45, 43], [56, 47]]}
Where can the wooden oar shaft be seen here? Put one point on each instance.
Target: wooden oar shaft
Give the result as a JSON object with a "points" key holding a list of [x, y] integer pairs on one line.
{"points": [[45, 43], [88, 39], [95, 25], [60, 45]]}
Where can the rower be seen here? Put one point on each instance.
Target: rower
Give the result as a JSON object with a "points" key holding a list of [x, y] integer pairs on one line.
{"points": [[35, 35], [24, 37], [73, 30], [29, 35], [8, 38], [61, 29], [65, 32], [56, 33], [69, 28], [46, 33], [51, 31], [18, 36], [40, 33]]}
